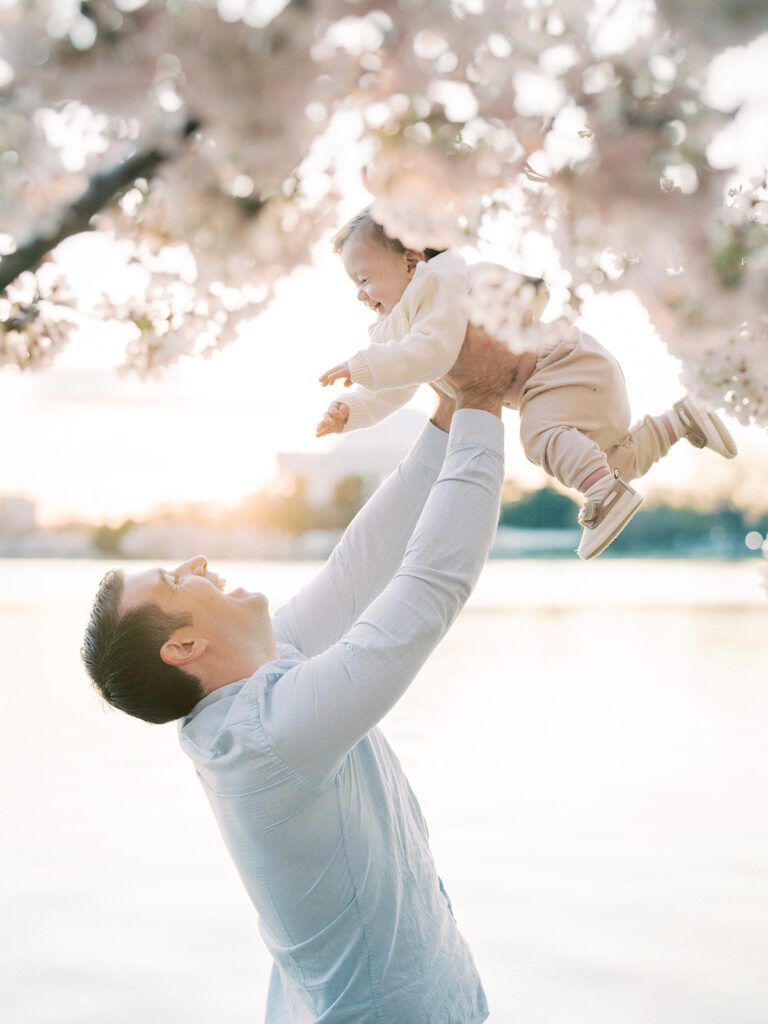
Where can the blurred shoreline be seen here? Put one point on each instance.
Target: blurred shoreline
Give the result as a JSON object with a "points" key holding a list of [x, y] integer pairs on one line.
{"points": [[291, 527], [175, 541]]}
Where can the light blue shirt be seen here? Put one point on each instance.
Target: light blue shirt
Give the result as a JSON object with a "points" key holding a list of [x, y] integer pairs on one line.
{"points": [[312, 802]]}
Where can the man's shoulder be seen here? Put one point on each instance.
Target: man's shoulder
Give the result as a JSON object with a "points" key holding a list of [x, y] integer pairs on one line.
{"points": [[228, 741]]}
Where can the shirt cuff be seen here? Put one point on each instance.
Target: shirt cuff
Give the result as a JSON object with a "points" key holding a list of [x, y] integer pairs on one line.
{"points": [[475, 426], [360, 371], [430, 446]]}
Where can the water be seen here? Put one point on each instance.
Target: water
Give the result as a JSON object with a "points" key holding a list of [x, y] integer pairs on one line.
{"points": [[588, 745]]}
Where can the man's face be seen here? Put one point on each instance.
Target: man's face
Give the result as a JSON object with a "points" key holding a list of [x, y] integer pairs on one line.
{"points": [[191, 590], [381, 274]]}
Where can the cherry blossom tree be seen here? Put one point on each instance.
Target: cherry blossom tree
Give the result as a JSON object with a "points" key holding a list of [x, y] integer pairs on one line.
{"points": [[213, 141]]}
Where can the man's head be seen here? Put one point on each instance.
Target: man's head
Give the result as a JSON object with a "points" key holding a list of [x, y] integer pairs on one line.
{"points": [[380, 266], [159, 641]]}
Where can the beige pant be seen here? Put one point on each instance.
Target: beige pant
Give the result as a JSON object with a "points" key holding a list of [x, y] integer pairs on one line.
{"points": [[574, 416]]}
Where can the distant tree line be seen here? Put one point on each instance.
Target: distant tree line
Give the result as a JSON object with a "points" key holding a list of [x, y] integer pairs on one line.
{"points": [[659, 528]]}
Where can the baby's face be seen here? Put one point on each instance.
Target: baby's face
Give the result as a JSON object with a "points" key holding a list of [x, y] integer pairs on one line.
{"points": [[381, 274]]}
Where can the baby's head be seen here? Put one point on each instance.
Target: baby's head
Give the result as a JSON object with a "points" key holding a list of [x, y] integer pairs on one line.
{"points": [[380, 266]]}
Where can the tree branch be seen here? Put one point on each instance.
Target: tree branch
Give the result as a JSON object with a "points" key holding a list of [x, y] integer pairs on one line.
{"points": [[103, 188]]}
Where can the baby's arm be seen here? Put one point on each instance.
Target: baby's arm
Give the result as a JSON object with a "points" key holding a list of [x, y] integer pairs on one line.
{"points": [[361, 408], [431, 347], [334, 419]]}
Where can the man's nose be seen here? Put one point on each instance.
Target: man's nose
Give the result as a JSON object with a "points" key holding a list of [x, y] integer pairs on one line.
{"points": [[197, 566]]}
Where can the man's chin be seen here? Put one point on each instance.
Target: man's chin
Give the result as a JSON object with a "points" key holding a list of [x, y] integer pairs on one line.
{"points": [[247, 596]]}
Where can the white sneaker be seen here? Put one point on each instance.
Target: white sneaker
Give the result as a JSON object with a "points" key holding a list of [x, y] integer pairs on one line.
{"points": [[602, 521], [704, 429]]}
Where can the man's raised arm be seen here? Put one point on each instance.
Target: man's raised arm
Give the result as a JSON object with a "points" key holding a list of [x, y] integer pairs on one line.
{"points": [[318, 711], [371, 549]]}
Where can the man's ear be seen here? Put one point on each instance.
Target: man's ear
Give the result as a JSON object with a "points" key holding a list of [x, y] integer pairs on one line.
{"points": [[177, 651]]}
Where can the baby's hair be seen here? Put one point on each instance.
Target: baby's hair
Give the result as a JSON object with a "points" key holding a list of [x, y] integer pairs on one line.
{"points": [[363, 221]]}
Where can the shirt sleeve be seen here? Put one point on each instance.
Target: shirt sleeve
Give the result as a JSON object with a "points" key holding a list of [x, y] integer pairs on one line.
{"points": [[316, 712], [438, 322], [367, 408], [368, 554]]}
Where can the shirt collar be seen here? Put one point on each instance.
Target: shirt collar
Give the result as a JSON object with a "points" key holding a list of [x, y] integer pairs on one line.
{"points": [[218, 694], [276, 667]]}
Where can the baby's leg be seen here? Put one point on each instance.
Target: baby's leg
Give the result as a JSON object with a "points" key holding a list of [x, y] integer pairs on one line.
{"points": [[651, 439], [573, 408], [576, 461], [646, 443], [564, 452]]}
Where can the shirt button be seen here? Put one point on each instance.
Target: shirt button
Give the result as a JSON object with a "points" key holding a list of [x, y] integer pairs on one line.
{"points": [[348, 648]]}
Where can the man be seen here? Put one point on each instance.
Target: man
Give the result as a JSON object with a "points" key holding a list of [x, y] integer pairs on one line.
{"points": [[279, 717]]}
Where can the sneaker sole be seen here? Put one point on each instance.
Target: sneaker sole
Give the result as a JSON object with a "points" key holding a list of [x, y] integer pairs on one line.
{"points": [[627, 507], [728, 447]]}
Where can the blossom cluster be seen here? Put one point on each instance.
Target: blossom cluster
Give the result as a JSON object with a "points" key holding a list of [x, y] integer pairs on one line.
{"points": [[584, 123], [36, 319], [510, 306]]}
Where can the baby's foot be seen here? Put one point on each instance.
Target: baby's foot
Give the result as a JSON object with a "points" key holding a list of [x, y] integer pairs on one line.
{"points": [[609, 505], [704, 429]]}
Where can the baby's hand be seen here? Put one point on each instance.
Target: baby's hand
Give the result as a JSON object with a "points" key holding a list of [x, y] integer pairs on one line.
{"points": [[334, 419], [340, 372]]}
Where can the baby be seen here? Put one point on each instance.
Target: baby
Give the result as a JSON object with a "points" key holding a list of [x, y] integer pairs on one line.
{"points": [[571, 395]]}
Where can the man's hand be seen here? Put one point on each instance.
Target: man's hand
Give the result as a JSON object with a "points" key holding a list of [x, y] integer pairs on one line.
{"points": [[340, 372], [333, 420], [483, 372]]}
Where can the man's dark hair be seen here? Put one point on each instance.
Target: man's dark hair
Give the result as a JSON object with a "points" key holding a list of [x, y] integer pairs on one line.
{"points": [[121, 652], [363, 221]]}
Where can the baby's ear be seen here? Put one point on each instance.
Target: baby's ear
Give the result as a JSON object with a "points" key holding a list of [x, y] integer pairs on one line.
{"points": [[412, 259]]}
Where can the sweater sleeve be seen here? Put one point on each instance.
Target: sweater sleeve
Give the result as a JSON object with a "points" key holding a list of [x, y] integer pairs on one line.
{"points": [[437, 314], [317, 711], [367, 408]]}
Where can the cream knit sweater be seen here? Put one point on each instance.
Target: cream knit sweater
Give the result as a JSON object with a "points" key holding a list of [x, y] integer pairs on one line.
{"points": [[416, 343]]}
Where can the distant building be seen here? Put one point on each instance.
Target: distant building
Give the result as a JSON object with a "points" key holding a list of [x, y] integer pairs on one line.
{"points": [[66, 542], [371, 454], [17, 516], [176, 541]]}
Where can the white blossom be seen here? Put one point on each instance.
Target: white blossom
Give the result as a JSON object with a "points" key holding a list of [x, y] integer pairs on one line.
{"points": [[510, 305]]}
